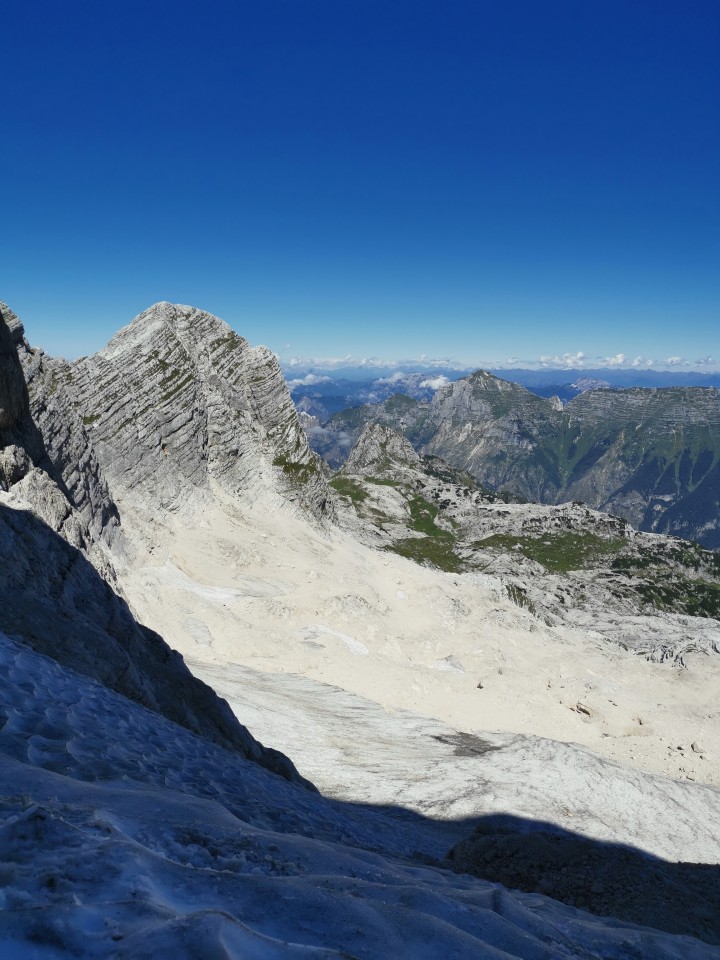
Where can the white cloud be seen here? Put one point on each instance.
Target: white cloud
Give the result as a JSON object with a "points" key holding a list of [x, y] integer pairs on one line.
{"points": [[618, 361], [393, 378], [308, 381], [333, 363], [434, 383], [565, 361], [571, 360]]}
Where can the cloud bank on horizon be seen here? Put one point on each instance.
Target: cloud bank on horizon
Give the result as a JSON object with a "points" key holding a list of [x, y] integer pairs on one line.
{"points": [[558, 361]]}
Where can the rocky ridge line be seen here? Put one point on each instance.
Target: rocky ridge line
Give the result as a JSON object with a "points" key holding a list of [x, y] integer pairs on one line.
{"points": [[178, 402]]}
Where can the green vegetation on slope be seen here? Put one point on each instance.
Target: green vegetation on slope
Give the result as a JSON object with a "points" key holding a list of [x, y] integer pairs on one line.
{"points": [[349, 488], [693, 598], [300, 473], [435, 551], [558, 553]]}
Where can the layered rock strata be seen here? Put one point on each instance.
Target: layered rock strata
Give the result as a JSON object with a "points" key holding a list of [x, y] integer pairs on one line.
{"points": [[178, 402]]}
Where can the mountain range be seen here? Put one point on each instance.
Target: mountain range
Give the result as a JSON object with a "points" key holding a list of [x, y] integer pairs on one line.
{"points": [[376, 625], [649, 455], [322, 391]]}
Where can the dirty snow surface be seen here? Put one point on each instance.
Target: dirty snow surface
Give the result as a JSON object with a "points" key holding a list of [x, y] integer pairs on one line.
{"points": [[124, 835]]}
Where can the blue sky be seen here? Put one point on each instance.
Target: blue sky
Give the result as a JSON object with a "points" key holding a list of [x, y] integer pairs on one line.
{"points": [[480, 180]]}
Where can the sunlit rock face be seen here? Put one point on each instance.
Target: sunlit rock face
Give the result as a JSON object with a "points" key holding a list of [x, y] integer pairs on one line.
{"points": [[178, 402]]}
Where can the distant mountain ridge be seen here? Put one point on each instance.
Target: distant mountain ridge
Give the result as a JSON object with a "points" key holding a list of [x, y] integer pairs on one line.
{"points": [[650, 455]]}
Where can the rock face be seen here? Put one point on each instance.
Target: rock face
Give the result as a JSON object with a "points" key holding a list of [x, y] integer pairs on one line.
{"points": [[14, 404], [651, 456], [178, 402], [379, 448], [51, 597], [47, 457]]}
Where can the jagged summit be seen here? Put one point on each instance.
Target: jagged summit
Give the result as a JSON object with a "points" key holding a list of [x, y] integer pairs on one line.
{"points": [[176, 405], [12, 321], [179, 319], [380, 448]]}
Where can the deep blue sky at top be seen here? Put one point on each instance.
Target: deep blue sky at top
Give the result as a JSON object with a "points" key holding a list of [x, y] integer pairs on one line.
{"points": [[471, 179]]}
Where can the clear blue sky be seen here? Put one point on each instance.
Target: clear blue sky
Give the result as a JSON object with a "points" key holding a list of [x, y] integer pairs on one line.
{"points": [[478, 179]]}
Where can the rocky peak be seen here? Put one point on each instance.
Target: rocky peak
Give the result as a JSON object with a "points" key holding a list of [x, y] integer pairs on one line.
{"points": [[178, 402], [14, 325], [378, 449], [56, 521]]}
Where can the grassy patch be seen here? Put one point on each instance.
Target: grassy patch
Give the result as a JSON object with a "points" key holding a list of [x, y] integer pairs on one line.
{"points": [[694, 598], [349, 488], [379, 482], [300, 473], [88, 421], [557, 552], [691, 556], [422, 517], [429, 551]]}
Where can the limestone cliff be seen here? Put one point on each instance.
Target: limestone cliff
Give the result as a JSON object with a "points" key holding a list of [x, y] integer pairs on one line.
{"points": [[178, 402]]}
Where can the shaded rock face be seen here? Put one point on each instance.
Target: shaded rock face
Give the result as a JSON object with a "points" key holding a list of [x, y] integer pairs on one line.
{"points": [[46, 456], [178, 401], [54, 601], [14, 402], [606, 879]]}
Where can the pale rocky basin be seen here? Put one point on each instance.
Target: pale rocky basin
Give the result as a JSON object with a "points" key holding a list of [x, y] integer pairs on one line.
{"points": [[268, 591]]}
